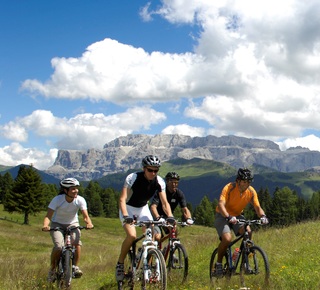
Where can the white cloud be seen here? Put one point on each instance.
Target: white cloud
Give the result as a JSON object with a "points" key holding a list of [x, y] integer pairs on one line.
{"points": [[82, 131], [184, 129], [115, 72], [254, 72], [311, 141], [15, 154]]}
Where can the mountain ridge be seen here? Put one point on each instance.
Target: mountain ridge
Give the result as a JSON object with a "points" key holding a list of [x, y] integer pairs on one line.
{"points": [[126, 152]]}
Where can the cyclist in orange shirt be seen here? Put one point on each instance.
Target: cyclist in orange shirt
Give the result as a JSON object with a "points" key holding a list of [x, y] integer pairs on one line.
{"points": [[235, 196]]}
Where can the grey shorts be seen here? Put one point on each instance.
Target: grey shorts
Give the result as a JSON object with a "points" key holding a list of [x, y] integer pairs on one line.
{"points": [[58, 238], [223, 226], [160, 230]]}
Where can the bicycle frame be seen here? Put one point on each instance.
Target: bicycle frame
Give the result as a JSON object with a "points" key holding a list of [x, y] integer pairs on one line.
{"points": [[141, 262], [250, 256], [175, 254], [172, 238], [65, 263], [245, 241]]}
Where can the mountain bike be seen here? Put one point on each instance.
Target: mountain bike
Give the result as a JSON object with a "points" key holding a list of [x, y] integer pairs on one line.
{"points": [[64, 271], [251, 263], [175, 253], [146, 265]]}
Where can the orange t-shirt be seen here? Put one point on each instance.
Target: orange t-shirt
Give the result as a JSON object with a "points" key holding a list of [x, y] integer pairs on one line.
{"points": [[235, 203]]}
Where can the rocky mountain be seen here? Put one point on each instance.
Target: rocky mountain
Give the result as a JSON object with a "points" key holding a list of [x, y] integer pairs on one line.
{"points": [[125, 153]]}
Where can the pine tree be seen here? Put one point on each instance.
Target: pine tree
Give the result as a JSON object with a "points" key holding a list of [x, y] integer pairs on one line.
{"points": [[204, 213], [284, 211], [92, 194], [6, 184], [110, 202], [27, 195]]}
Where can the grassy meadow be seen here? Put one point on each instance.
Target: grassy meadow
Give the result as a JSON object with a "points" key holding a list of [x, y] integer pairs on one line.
{"points": [[24, 255]]}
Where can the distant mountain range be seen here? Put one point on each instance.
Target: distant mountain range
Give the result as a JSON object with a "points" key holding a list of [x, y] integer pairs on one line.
{"points": [[205, 164], [125, 153]]}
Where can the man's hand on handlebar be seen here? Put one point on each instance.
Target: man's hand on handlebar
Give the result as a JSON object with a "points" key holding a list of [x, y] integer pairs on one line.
{"points": [[160, 219], [264, 220], [232, 219], [127, 219], [170, 220], [46, 229], [189, 221]]}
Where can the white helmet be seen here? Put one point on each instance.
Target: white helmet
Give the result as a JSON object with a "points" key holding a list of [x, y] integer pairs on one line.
{"points": [[151, 160], [69, 182]]}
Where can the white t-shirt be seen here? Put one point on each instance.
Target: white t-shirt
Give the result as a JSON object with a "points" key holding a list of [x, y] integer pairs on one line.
{"points": [[65, 212]]}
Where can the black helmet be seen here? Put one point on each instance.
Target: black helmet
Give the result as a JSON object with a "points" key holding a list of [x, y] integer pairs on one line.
{"points": [[69, 182], [172, 175], [244, 174], [151, 160]]}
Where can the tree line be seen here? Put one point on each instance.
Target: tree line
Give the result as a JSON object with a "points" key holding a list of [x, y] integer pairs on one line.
{"points": [[26, 194]]}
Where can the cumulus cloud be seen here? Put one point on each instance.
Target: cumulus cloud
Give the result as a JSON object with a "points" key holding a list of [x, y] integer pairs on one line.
{"points": [[184, 129], [310, 141], [250, 61], [82, 131], [254, 71], [16, 154]]}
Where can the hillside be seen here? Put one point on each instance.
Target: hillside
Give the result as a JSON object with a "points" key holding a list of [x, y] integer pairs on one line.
{"points": [[25, 251], [206, 177]]}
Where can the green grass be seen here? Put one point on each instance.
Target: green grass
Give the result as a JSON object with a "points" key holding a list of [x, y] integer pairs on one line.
{"points": [[25, 250]]}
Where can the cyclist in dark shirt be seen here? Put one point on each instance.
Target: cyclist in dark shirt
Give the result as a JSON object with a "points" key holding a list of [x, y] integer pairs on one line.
{"points": [[138, 189], [175, 197]]}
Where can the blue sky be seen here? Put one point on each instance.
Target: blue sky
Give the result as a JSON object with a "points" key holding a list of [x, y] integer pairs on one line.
{"points": [[78, 74]]}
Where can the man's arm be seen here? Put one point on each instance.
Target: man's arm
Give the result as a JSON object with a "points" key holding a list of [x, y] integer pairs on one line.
{"points": [[260, 212], [222, 208], [47, 219], [154, 211], [165, 204], [87, 219], [186, 213], [122, 201]]}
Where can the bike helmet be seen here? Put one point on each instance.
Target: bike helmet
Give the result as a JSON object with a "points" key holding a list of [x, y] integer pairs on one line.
{"points": [[69, 182], [172, 175], [151, 160], [244, 174]]}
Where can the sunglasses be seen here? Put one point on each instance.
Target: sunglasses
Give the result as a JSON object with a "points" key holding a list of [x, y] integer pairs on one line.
{"points": [[152, 170]]}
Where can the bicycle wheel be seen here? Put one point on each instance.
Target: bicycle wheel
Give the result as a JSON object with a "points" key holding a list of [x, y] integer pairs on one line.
{"points": [[225, 266], [59, 273], [255, 268], [178, 264], [155, 275], [67, 270], [128, 281]]}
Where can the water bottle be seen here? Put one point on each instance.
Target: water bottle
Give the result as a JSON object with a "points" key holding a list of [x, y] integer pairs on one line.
{"points": [[235, 255]]}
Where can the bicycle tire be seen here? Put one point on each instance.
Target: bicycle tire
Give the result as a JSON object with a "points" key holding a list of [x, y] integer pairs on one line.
{"points": [[156, 271], [258, 271], [59, 273], [225, 266], [128, 280], [178, 264], [67, 270]]}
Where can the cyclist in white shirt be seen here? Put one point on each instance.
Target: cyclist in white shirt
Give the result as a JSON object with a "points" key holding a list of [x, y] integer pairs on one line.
{"points": [[63, 213]]}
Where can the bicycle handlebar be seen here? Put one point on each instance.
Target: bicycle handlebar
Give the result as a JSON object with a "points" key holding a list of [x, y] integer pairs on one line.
{"points": [[147, 223], [159, 223], [70, 228], [182, 224], [249, 222]]}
